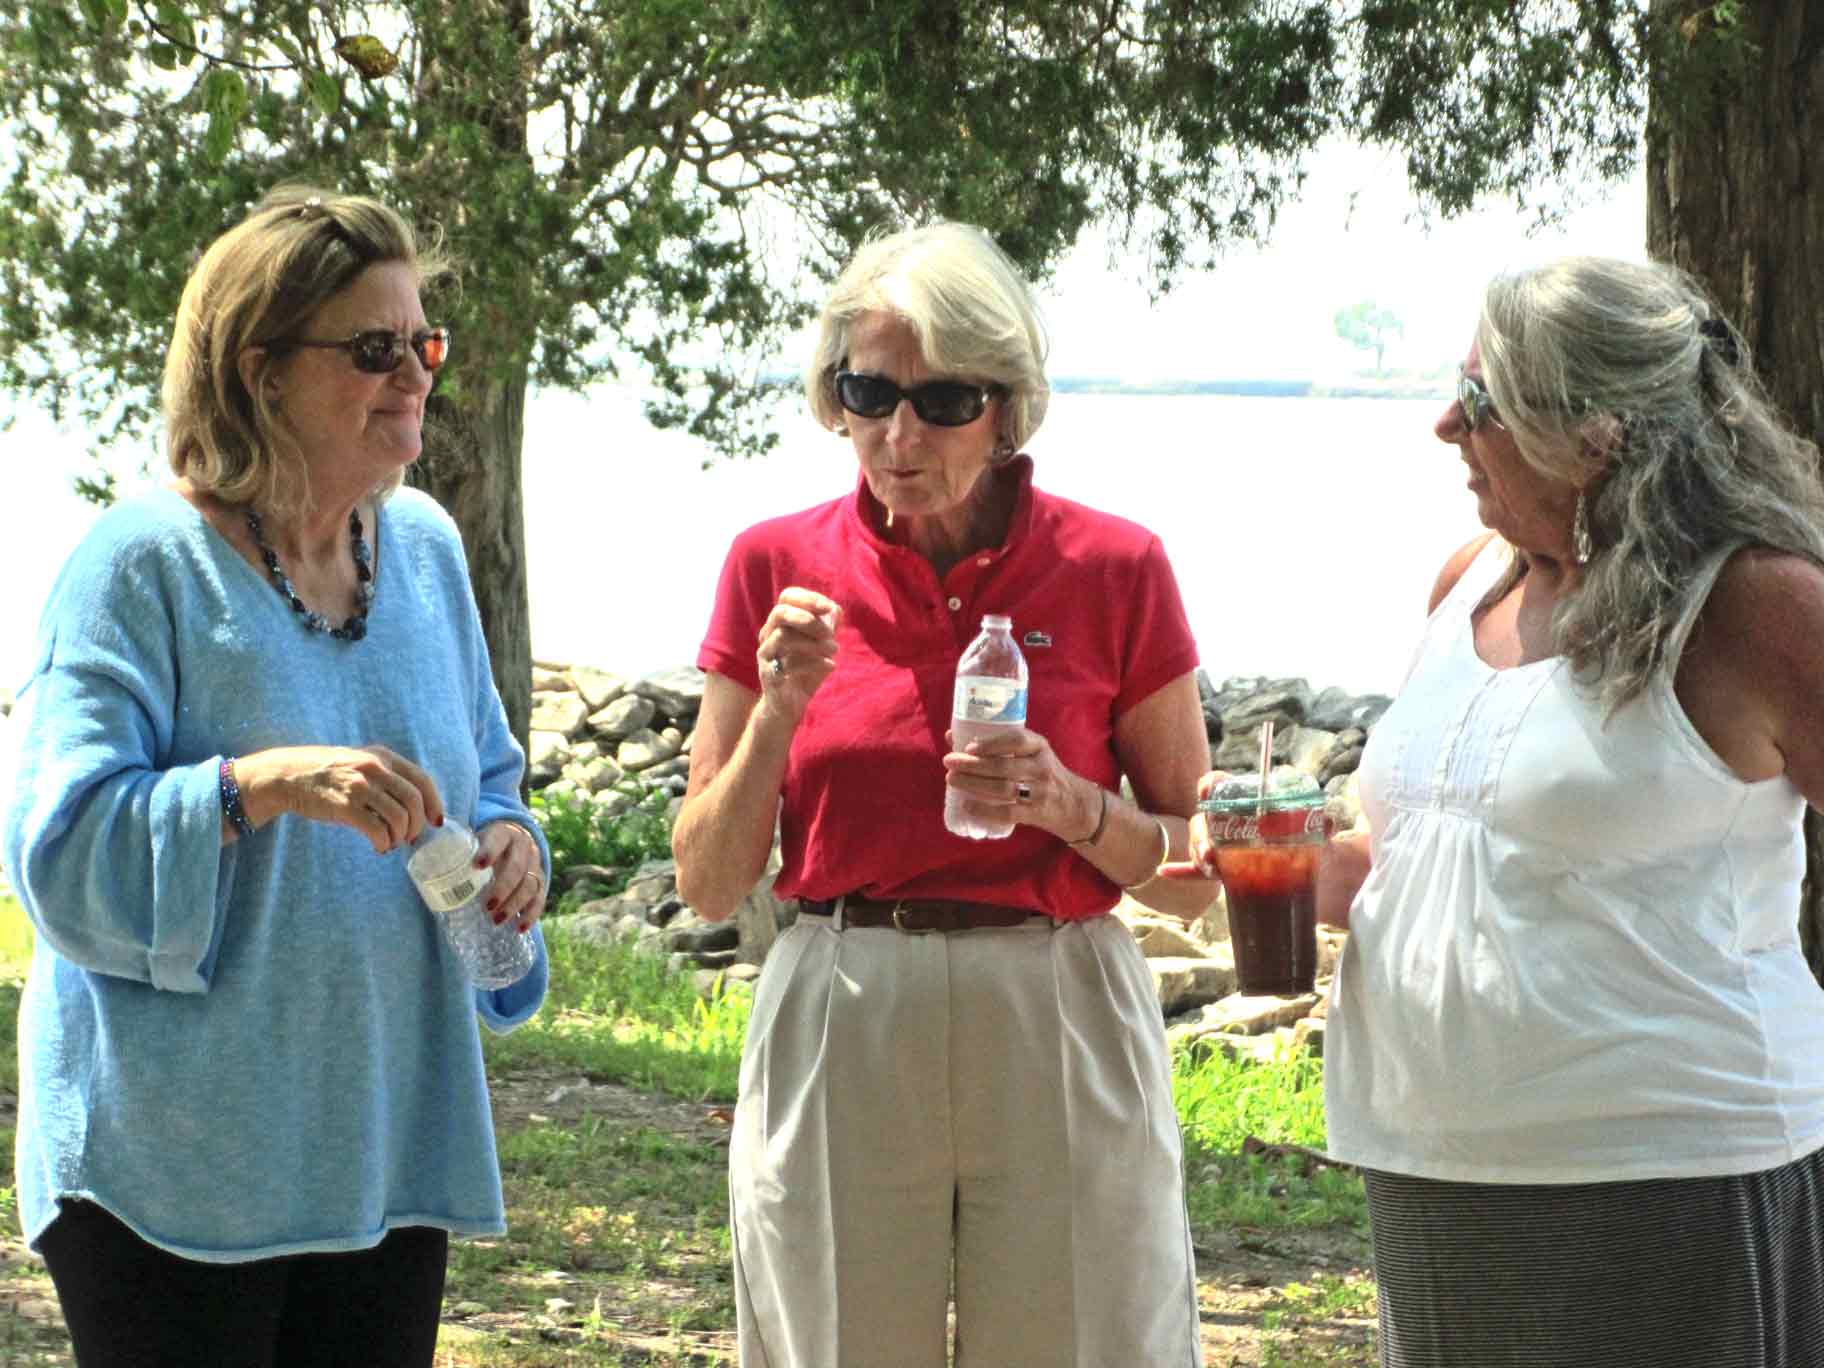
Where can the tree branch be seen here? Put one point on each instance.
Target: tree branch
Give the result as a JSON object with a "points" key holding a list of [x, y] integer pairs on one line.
{"points": [[213, 58]]}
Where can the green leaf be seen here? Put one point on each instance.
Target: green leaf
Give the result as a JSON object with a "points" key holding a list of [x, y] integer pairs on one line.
{"points": [[225, 95], [162, 55], [218, 141], [173, 20], [96, 12], [325, 92], [102, 490]]}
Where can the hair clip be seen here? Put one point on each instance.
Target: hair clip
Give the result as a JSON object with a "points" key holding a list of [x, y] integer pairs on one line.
{"points": [[314, 202], [1721, 338]]}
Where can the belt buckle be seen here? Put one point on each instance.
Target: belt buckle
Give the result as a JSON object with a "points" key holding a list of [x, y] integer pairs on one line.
{"points": [[899, 923]]}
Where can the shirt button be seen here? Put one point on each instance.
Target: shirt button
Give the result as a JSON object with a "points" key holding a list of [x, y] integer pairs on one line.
{"points": [[955, 604], [985, 562]]}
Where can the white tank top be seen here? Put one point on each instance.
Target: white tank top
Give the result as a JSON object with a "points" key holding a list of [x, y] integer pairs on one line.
{"points": [[1576, 956]]}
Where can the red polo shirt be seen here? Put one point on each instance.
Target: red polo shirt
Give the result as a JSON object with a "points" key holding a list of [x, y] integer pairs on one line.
{"points": [[1096, 611]]}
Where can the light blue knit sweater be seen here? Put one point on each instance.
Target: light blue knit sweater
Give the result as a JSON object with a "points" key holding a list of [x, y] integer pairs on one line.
{"points": [[265, 1048]]}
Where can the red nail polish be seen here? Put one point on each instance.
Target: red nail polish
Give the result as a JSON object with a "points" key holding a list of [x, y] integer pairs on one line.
{"points": [[494, 906]]}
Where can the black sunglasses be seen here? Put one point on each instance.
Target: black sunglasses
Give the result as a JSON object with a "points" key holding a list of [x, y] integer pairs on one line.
{"points": [[381, 350], [941, 403], [1474, 401]]}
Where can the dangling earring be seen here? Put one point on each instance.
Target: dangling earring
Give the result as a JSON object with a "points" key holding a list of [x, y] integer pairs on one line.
{"points": [[1581, 546], [1003, 450]]}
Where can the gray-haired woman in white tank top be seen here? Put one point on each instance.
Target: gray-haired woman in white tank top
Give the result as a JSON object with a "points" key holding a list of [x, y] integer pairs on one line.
{"points": [[1574, 1041]]}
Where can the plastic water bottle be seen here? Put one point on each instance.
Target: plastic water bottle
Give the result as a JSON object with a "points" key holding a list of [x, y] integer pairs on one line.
{"points": [[442, 865], [990, 698]]}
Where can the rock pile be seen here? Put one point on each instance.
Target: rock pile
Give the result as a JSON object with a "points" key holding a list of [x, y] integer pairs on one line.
{"points": [[598, 737], [591, 731]]}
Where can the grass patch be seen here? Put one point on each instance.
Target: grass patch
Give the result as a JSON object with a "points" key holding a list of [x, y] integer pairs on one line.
{"points": [[1223, 1192], [1326, 1323], [15, 959], [616, 1015], [23, 1339], [1222, 1102], [617, 1253]]}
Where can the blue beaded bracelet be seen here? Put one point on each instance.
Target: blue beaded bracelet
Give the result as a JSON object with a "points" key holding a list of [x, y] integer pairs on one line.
{"points": [[231, 798]]}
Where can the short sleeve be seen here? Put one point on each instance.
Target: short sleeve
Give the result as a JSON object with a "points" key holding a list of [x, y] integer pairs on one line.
{"points": [[1159, 647], [745, 594]]}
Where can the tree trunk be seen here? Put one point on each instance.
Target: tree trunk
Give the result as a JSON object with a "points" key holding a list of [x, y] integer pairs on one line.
{"points": [[1735, 196], [472, 451], [471, 465]]}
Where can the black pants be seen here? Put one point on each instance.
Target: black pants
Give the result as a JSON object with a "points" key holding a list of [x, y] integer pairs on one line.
{"points": [[127, 1302]]}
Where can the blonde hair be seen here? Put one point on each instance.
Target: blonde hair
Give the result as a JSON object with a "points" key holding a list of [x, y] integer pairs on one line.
{"points": [[255, 286], [1621, 378], [971, 310]]}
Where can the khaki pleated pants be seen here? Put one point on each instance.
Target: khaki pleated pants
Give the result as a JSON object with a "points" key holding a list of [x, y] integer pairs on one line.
{"points": [[1002, 1097]]}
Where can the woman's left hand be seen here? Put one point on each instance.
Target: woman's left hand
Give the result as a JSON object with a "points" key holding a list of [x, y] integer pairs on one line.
{"points": [[518, 889], [1018, 769]]}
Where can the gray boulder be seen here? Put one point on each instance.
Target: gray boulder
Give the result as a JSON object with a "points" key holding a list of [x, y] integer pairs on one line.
{"points": [[1338, 710], [691, 935], [622, 718], [597, 687], [678, 693], [563, 713], [644, 749]]}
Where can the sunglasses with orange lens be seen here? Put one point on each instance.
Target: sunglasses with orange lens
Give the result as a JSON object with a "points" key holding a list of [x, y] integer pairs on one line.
{"points": [[380, 351]]}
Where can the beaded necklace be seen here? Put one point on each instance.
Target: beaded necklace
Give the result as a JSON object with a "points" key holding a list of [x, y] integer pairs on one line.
{"points": [[356, 627]]}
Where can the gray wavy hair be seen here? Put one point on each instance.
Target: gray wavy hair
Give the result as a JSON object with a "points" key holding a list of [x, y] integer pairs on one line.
{"points": [[1622, 379], [972, 311]]}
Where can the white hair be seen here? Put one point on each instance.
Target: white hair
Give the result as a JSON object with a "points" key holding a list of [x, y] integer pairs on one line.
{"points": [[971, 310]]}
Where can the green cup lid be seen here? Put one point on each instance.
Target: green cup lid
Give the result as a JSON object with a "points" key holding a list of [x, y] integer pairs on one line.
{"points": [[1287, 789]]}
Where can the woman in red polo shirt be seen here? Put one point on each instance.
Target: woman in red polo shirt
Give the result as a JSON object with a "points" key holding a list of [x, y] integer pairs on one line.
{"points": [[955, 1060]]}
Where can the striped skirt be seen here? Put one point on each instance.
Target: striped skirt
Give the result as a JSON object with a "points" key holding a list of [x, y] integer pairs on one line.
{"points": [[1659, 1273]]}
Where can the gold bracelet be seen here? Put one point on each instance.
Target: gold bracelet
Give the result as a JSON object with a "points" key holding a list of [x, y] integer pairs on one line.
{"points": [[1101, 821], [1165, 853]]}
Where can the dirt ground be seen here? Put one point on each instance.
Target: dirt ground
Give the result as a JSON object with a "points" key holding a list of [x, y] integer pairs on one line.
{"points": [[1241, 1273]]}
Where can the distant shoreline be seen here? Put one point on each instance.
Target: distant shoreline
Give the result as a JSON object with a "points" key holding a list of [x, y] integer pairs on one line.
{"points": [[1392, 387]]}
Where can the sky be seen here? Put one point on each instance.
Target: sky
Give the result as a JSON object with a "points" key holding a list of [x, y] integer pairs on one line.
{"points": [[1268, 312]]}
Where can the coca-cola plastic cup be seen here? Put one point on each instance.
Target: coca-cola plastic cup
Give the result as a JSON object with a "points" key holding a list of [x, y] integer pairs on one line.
{"points": [[1267, 851]]}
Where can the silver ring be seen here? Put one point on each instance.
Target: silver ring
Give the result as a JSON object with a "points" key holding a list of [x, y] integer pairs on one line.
{"points": [[1023, 792], [777, 666]]}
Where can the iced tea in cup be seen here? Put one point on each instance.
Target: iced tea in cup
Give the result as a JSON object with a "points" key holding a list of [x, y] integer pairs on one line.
{"points": [[1267, 851]]}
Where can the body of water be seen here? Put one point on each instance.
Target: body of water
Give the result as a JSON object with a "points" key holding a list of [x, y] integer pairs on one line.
{"points": [[1305, 533]]}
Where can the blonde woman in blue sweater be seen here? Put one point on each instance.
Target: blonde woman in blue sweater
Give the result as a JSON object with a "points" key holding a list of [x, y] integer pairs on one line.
{"points": [[252, 1104]]}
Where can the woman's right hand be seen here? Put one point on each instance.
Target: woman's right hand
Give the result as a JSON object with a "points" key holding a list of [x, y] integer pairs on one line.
{"points": [[1202, 864], [369, 789], [797, 648]]}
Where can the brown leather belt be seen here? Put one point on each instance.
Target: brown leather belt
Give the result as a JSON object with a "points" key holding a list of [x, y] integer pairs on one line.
{"points": [[918, 916]]}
